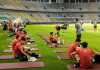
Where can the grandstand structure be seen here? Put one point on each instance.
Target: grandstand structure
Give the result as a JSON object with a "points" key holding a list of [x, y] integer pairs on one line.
{"points": [[51, 10]]}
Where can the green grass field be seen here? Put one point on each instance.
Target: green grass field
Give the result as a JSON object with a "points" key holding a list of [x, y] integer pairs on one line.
{"points": [[50, 57]]}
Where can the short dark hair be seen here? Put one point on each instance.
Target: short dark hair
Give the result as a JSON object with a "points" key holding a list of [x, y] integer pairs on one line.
{"points": [[84, 44]]}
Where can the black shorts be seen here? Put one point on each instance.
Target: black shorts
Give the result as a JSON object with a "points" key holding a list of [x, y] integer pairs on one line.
{"points": [[97, 58], [78, 36]]}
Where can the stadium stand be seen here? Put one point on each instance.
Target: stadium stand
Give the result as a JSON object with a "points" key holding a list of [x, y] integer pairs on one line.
{"points": [[41, 11]]}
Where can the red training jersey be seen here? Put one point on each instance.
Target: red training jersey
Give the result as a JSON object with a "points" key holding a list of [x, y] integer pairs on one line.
{"points": [[85, 55], [71, 48], [17, 50]]}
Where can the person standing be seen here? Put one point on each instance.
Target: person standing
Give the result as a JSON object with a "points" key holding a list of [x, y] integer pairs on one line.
{"points": [[95, 26], [78, 28]]}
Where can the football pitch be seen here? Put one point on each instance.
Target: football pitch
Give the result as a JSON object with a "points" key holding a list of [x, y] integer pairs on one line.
{"points": [[49, 56]]}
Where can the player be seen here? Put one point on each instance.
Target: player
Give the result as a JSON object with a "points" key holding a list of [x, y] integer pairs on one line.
{"points": [[85, 56], [72, 48]]}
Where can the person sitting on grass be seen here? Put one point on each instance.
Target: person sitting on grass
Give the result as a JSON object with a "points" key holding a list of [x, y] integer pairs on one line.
{"points": [[72, 48], [13, 29], [15, 41], [10, 25], [59, 40], [23, 34], [85, 56], [52, 39], [21, 53], [18, 33]]}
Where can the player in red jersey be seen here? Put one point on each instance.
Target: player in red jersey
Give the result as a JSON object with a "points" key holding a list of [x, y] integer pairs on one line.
{"points": [[72, 47], [85, 56]]}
